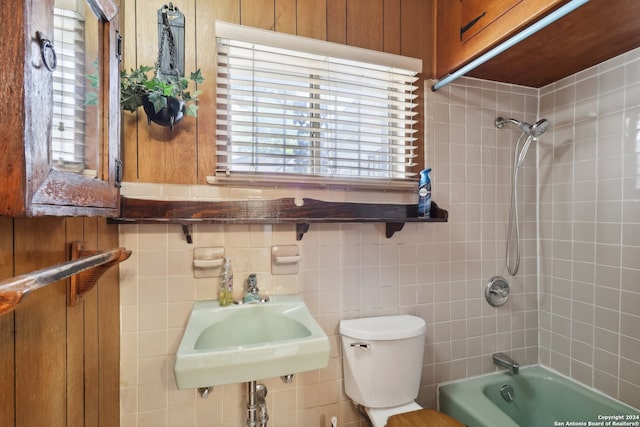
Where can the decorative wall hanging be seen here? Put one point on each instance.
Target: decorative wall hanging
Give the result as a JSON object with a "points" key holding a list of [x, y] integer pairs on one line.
{"points": [[170, 41]]}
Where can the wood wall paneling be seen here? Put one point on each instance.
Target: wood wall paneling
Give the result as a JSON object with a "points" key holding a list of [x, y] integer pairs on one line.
{"points": [[61, 366], [108, 334], [129, 121], [7, 367], [40, 327], [337, 21], [207, 14], [417, 32], [365, 23], [286, 16], [311, 18], [6, 247], [392, 26], [92, 348], [258, 13], [7, 384], [75, 342]]}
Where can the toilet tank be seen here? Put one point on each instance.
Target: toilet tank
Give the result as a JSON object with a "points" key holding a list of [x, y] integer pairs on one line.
{"points": [[382, 359]]}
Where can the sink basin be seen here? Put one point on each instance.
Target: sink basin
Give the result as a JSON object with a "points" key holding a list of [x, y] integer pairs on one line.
{"points": [[248, 342]]}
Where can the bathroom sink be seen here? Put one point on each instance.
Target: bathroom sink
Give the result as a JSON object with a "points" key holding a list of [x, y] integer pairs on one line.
{"points": [[248, 342]]}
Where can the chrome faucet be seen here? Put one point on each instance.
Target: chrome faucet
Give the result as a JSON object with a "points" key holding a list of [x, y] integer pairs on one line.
{"points": [[252, 294], [505, 361]]}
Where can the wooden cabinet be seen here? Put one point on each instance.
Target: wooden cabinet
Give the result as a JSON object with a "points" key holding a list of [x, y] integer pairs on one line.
{"points": [[476, 15], [468, 28], [59, 103], [589, 35]]}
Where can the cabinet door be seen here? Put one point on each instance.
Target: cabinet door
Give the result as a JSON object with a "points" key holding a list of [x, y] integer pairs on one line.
{"points": [[478, 14], [80, 168], [468, 28]]}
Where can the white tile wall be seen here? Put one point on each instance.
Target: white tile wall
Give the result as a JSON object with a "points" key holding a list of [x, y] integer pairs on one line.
{"points": [[588, 320]]}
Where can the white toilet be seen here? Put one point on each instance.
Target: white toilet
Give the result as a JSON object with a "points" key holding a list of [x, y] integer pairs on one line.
{"points": [[382, 361]]}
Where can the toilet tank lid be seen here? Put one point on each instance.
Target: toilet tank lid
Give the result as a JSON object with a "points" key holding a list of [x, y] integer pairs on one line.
{"points": [[384, 327]]}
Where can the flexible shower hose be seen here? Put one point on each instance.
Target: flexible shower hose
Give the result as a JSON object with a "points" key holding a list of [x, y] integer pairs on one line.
{"points": [[513, 212]]}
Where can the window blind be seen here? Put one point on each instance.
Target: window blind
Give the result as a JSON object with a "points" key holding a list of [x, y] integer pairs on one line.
{"points": [[68, 87], [289, 105]]}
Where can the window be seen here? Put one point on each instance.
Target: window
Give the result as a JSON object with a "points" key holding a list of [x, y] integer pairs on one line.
{"points": [[303, 109]]}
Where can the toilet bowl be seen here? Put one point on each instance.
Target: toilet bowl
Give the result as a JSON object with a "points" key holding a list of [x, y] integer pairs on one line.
{"points": [[382, 361]]}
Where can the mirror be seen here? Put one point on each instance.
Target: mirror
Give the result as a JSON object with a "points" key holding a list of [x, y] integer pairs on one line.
{"points": [[75, 144]]}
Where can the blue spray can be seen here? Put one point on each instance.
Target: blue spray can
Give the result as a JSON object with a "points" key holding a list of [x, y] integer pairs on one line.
{"points": [[424, 194]]}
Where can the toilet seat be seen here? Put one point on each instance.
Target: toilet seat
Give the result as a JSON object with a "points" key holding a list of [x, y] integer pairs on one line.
{"points": [[423, 418], [379, 416]]}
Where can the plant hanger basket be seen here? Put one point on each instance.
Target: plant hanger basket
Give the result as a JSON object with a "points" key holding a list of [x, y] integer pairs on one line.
{"points": [[165, 97], [173, 112], [170, 115]]}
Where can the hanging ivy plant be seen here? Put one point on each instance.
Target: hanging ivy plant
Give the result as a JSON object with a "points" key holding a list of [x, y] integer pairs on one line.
{"points": [[168, 95]]}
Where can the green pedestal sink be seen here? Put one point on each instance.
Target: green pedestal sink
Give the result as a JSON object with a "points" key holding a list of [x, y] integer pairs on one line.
{"points": [[241, 343]]}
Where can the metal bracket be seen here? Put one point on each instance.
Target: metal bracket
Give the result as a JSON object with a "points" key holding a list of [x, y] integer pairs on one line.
{"points": [[301, 229], [118, 46], [119, 173], [186, 229]]}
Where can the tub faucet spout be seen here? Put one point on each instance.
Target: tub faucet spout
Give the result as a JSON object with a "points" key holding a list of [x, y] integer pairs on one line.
{"points": [[505, 361]]}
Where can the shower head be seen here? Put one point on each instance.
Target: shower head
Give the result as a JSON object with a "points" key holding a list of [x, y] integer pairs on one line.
{"points": [[535, 130]]}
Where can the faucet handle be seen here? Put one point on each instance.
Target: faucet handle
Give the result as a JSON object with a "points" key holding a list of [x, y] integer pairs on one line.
{"points": [[252, 283]]}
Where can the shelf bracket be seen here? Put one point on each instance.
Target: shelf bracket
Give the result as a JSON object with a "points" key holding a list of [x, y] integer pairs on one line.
{"points": [[186, 229], [392, 227], [84, 281], [301, 228], [85, 269]]}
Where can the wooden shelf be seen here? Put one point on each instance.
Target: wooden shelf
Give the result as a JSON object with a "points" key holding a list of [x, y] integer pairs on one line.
{"points": [[279, 211]]}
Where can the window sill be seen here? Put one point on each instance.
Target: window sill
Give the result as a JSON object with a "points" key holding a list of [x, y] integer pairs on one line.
{"points": [[288, 210]]}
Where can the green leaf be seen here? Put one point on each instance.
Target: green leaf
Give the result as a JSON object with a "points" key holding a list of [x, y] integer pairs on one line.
{"points": [[130, 102], [196, 77], [192, 110], [158, 100]]}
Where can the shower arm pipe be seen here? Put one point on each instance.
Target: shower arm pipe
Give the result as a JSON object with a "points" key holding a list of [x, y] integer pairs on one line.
{"points": [[532, 29]]}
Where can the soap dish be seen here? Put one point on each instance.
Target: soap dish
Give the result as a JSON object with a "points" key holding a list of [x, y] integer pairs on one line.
{"points": [[285, 259]]}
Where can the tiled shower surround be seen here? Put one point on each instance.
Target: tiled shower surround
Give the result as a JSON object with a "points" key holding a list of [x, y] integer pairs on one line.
{"points": [[589, 176], [581, 315]]}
